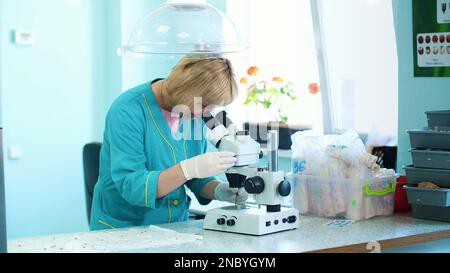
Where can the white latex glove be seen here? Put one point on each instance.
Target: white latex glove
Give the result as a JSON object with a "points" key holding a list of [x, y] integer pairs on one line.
{"points": [[224, 193], [207, 165]]}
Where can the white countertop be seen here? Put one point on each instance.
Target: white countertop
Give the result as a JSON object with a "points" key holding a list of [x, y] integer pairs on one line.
{"points": [[189, 237]]}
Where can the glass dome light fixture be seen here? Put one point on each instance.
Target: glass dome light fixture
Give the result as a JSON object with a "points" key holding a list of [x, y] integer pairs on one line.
{"points": [[183, 27]]}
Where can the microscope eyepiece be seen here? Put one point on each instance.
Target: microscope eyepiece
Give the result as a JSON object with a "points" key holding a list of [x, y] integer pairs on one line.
{"points": [[211, 121], [223, 119], [218, 130]]}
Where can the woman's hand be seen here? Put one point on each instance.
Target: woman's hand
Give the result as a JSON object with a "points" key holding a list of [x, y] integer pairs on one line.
{"points": [[224, 193], [207, 165]]}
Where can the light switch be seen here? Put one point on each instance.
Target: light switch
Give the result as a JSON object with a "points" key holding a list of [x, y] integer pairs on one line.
{"points": [[24, 37], [15, 153]]}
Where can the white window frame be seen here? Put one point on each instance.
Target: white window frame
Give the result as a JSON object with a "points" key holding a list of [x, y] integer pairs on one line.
{"points": [[329, 111], [329, 122]]}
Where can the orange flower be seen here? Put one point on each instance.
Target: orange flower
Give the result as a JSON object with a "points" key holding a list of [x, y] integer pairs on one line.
{"points": [[253, 71], [278, 79], [244, 81], [314, 88]]}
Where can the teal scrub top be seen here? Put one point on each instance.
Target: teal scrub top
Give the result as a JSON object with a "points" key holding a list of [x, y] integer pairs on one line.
{"points": [[138, 145]]}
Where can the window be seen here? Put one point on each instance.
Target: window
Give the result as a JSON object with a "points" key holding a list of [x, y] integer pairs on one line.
{"points": [[348, 46], [359, 64], [282, 39]]}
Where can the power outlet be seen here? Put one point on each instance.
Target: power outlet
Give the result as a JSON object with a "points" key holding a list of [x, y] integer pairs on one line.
{"points": [[23, 37]]}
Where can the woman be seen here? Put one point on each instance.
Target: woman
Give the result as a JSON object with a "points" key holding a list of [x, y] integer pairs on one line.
{"points": [[144, 168]]}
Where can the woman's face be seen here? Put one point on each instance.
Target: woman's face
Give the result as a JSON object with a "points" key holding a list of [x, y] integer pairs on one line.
{"points": [[196, 109]]}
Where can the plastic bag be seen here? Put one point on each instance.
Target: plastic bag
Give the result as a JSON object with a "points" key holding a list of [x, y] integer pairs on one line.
{"points": [[331, 174]]}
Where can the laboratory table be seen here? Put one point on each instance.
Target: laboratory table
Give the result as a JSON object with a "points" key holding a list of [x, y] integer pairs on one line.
{"points": [[314, 235]]}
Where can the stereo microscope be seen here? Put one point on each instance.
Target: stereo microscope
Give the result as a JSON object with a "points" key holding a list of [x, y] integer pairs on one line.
{"points": [[268, 185]]}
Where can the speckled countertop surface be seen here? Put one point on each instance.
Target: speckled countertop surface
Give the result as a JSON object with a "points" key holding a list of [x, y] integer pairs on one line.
{"points": [[314, 234]]}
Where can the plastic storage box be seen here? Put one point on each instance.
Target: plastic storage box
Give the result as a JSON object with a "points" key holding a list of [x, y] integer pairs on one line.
{"points": [[426, 139], [438, 120], [343, 198], [428, 197], [436, 176], [431, 204], [431, 159], [431, 213]]}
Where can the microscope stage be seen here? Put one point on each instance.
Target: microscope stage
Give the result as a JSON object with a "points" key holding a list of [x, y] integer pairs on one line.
{"points": [[251, 220]]}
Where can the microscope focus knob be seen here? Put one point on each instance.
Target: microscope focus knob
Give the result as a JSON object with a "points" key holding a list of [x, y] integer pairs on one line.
{"points": [[221, 221], [254, 185], [284, 188]]}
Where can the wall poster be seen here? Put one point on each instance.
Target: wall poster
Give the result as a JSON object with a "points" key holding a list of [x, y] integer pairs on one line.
{"points": [[431, 38]]}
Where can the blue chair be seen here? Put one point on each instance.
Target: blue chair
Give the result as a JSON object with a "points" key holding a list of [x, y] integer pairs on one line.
{"points": [[91, 163]]}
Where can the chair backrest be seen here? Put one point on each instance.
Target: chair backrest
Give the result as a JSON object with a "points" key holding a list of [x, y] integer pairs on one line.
{"points": [[91, 163]]}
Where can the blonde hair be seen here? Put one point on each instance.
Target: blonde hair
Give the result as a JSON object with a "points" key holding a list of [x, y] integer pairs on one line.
{"points": [[212, 79]]}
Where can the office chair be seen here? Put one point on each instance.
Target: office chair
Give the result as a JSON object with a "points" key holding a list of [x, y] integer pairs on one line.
{"points": [[91, 162]]}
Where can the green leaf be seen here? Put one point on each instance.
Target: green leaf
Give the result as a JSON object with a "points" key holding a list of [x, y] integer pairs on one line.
{"points": [[267, 104], [272, 91]]}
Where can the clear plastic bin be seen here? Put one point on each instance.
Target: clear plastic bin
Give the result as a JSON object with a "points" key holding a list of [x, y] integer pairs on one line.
{"points": [[343, 198]]}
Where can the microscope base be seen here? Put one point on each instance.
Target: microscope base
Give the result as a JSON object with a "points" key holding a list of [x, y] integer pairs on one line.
{"points": [[251, 220]]}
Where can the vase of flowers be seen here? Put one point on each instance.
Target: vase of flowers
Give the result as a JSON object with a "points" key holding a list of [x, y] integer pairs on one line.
{"points": [[275, 96]]}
